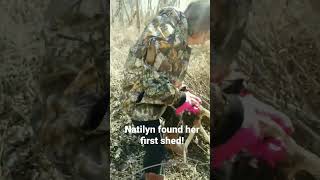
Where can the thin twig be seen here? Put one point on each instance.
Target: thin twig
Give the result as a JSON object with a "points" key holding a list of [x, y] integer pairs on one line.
{"points": [[155, 165], [128, 176]]}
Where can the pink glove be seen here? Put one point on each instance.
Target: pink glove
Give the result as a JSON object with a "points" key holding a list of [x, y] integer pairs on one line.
{"points": [[271, 150], [243, 138], [191, 104]]}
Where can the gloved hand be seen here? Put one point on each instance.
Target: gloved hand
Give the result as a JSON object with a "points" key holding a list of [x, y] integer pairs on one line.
{"points": [[191, 104]]}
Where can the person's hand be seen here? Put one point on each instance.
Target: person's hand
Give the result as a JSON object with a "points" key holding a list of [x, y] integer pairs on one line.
{"points": [[191, 104], [193, 99]]}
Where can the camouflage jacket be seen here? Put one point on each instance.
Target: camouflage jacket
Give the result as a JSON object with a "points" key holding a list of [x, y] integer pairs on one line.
{"points": [[156, 66]]}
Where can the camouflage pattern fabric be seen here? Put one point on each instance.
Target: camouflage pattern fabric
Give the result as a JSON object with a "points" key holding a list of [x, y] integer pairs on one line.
{"points": [[156, 66], [72, 84], [45, 45]]}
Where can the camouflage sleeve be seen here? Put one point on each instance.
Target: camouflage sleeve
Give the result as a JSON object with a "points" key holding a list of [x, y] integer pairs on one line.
{"points": [[157, 85], [149, 86]]}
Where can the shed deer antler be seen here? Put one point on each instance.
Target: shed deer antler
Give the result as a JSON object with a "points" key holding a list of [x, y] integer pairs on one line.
{"points": [[197, 124], [299, 158]]}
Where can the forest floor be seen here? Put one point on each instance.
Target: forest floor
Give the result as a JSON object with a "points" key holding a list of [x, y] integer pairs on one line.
{"points": [[126, 151]]}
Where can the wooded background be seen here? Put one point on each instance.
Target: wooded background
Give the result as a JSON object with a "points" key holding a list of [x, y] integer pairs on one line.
{"points": [[138, 12]]}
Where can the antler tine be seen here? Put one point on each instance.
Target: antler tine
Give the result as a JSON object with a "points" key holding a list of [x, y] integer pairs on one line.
{"points": [[203, 113]]}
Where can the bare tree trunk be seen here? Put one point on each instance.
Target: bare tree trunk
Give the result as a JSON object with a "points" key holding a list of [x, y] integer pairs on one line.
{"points": [[149, 8], [158, 7], [132, 17], [138, 14], [173, 3], [165, 3], [125, 9], [132, 10], [117, 13], [120, 12], [112, 15], [141, 15]]}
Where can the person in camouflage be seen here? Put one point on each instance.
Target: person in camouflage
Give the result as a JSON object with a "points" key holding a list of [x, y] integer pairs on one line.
{"points": [[156, 67]]}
